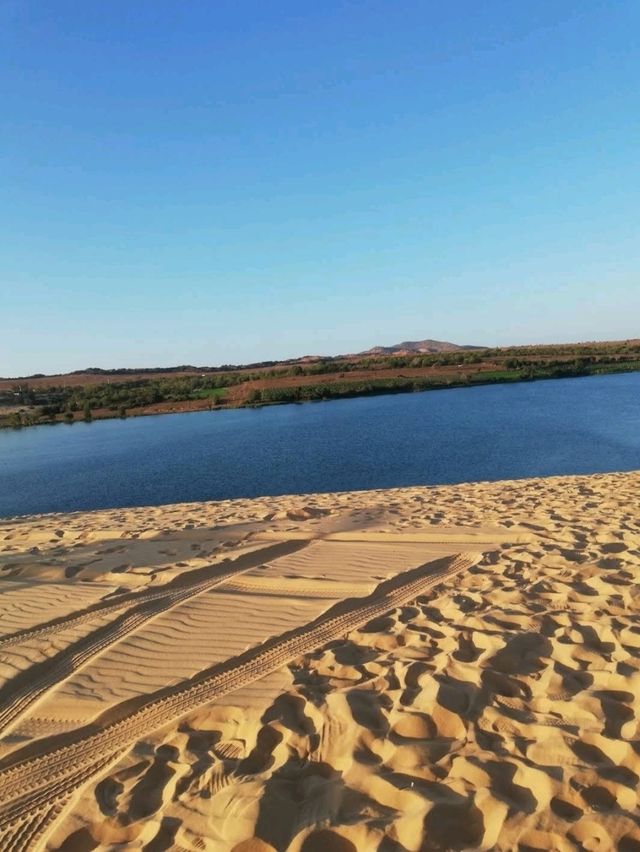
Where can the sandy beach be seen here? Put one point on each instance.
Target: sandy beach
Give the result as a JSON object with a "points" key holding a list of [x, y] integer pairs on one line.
{"points": [[412, 669]]}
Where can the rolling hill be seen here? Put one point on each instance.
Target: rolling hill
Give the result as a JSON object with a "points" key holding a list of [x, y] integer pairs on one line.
{"points": [[410, 347]]}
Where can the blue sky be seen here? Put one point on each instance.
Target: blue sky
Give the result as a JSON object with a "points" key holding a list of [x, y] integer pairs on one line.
{"points": [[233, 181]]}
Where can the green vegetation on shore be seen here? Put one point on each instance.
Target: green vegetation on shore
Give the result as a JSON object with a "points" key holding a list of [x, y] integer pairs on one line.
{"points": [[113, 394], [337, 390]]}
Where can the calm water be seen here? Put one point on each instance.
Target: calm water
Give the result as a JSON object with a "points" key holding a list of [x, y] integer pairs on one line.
{"points": [[583, 425]]}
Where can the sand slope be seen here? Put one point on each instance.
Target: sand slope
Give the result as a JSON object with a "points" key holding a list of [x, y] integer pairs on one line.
{"points": [[414, 669]]}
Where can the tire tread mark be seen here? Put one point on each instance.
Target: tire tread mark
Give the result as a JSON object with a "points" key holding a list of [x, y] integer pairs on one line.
{"points": [[209, 573], [29, 786], [20, 693]]}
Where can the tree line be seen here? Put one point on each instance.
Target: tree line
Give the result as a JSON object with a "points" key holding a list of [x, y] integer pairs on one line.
{"points": [[121, 397]]}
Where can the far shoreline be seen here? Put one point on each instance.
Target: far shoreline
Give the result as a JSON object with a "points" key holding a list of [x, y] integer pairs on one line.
{"points": [[203, 405]]}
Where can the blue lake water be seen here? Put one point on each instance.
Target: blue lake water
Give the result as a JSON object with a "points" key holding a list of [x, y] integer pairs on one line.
{"points": [[584, 425]]}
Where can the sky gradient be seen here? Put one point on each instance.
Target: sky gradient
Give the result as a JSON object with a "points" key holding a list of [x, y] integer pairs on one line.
{"points": [[228, 182]]}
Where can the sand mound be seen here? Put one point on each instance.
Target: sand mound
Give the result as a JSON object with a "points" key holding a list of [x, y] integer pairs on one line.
{"points": [[417, 669]]}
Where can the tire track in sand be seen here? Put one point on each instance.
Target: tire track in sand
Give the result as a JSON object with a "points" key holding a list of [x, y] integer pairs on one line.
{"points": [[165, 593], [21, 692], [34, 791]]}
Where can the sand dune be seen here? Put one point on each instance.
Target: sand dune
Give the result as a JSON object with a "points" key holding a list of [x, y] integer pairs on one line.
{"points": [[412, 669]]}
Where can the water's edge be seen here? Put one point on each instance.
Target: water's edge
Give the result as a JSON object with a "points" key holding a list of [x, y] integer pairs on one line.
{"points": [[391, 391]]}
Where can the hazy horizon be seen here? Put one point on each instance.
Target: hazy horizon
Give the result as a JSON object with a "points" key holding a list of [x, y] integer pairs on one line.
{"points": [[233, 182]]}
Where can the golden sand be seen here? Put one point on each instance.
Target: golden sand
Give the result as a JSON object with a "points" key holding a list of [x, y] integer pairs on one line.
{"points": [[411, 669]]}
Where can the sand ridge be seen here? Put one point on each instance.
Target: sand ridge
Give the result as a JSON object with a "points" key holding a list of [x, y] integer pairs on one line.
{"points": [[416, 669]]}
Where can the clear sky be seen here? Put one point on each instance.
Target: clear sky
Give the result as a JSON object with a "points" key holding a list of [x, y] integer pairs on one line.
{"points": [[229, 181]]}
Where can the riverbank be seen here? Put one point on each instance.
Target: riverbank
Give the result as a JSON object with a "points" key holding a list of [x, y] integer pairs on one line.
{"points": [[252, 392], [423, 668]]}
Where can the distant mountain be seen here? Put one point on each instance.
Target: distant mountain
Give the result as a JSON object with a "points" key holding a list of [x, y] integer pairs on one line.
{"points": [[425, 347]]}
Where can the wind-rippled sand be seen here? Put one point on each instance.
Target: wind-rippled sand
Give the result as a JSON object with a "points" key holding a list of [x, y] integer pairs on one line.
{"points": [[411, 669]]}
